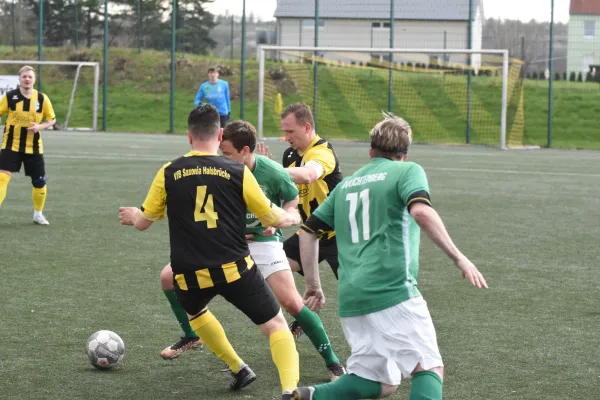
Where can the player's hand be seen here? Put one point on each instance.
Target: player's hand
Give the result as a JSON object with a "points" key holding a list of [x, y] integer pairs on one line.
{"points": [[249, 237], [270, 231], [263, 150], [314, 299], [127, 215], [35, 127], [469, 271]]}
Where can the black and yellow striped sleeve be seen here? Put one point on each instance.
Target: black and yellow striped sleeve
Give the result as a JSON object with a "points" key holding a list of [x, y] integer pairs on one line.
{"points": [[257, 202], [48, 110], [155, 204], [3, 105]]}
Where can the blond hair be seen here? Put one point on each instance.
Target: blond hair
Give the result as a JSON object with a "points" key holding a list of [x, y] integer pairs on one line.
{"points": [[25, 69], [391, 137]]}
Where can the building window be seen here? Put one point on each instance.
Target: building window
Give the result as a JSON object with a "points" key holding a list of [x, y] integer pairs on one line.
{"points": [[589, 29], [310, 24], [385, 25]]}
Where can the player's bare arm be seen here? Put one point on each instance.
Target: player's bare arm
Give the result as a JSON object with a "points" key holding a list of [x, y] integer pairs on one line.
{"points": [[133, 216], [286, 206], [314, 298], [431, 223], [309, 173], [35, 127]]}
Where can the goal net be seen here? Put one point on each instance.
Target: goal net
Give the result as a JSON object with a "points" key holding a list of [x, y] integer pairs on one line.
{"points": [[448, 96], [72, 87]]}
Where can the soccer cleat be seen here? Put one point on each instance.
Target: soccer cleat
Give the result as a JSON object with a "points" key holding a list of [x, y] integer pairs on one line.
{"points": [[287, 396], [336, 370], [182, 345], [303, 393], [243, 378], [296, 330], [39, 219]]}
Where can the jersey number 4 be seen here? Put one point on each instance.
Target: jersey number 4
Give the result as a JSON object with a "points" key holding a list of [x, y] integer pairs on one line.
{"points": [[353, 199], [209, 215]]}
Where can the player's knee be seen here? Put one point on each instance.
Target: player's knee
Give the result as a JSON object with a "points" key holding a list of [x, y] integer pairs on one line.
{"points": [[38, 182], [436, 370], [292, 302], [166, 278], [294, 265], [275, 324], [387, 390]]}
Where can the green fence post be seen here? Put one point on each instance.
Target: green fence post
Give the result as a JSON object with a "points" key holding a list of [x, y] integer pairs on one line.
{"points": [[551, 77], [173, 54], [243, 62], [40, 44], [391, 72], [469, 73], [76, 24], [105, 66], [14, 25], [139, 26], [316, 65]]}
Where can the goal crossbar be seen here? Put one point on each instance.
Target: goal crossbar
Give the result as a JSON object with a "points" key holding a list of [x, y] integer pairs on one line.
{"points": [[78, 64], [262, 49]]}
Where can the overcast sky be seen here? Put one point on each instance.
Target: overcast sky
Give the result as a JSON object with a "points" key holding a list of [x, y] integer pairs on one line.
{"points": [[510, 9]]}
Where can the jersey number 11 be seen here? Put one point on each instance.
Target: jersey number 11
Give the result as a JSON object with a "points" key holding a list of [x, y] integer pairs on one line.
{"points": [[353, 199]]}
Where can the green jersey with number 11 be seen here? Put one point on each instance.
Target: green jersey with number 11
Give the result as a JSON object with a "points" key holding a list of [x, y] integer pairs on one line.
{"points": [[278, 186], [377, 238]]}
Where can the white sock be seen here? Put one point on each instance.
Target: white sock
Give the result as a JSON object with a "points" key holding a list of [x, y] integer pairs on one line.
{"points": [[37, 213]]}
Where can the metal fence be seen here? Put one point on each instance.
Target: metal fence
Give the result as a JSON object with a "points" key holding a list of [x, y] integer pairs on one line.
{"points": [[560, 72]]}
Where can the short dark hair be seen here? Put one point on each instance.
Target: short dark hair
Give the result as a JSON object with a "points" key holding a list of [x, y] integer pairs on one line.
{"points": [[240, 133], [301, 112], [212, 69], [204, 122]]}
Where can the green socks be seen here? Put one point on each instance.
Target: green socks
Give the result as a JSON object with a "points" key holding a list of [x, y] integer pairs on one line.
{"points": [[426, 385], [313, 328], [348, 387], [180, 314]]}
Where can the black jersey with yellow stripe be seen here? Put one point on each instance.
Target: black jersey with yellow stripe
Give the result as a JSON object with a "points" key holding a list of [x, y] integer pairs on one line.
{"points": [[313, 194], [205, 197]]}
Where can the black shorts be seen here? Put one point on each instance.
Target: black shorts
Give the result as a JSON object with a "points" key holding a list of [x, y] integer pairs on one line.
{"points": [[224, 119], [327, 251], [249, 294], [34, 163]]}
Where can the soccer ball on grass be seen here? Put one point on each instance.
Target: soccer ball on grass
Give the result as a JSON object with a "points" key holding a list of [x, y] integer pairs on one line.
{"points": [[105, 349]]}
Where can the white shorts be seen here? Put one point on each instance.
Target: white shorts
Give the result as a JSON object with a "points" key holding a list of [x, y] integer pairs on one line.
{"points": [[269, 257], [388, 344]]}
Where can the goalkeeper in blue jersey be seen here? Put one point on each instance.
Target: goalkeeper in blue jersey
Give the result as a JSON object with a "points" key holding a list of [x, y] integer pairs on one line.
{"points": [[216, 92]]}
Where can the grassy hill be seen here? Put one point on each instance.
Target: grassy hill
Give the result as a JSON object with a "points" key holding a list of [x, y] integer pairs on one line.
{"points": [[349, 98]]}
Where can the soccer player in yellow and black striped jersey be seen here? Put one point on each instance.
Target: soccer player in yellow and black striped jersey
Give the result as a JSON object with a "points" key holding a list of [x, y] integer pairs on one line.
{"points": [[314, 167], [205, 197], [22, 142]]}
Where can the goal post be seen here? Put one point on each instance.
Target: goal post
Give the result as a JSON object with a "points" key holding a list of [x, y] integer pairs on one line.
{"points": [[77, 66], [429, 88]]}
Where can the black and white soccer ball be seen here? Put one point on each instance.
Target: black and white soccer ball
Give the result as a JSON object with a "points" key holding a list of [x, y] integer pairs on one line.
{"points": [[105, 349]]}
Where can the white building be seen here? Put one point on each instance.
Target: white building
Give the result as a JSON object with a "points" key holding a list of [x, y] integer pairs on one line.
{"points": [[431, 24]]}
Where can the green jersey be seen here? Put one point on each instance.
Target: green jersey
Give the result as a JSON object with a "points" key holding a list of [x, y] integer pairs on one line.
{"points": [[278, 186], [377, 238]]}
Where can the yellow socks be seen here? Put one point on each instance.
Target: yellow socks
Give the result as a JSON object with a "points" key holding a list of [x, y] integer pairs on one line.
{"points": [[38, 195], [286, 359], [4, 179], [212, 334]]}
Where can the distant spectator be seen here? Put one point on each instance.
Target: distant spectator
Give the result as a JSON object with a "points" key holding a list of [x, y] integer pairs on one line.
{"points": [[216, 92]]}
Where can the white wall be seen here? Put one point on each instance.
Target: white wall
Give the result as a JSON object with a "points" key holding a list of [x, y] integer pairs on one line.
{"points": [[360, 33]]}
